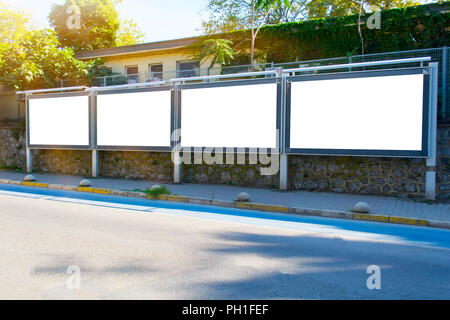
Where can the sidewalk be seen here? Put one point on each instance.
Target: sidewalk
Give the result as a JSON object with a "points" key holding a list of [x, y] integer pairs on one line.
{"points": [[383, 206]]}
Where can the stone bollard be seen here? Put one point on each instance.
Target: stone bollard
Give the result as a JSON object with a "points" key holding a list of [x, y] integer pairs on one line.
{"points": [[361, 207], [29, 178], [85, 183], [243, 197]]}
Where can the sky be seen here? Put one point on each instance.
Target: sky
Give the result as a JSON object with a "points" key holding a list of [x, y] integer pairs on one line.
{"points": [[158, 19]]}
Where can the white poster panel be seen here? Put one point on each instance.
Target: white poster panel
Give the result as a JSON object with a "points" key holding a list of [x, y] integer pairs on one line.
{"points": [[61, 121], [233, 116], [138, 119], [373, 113]]}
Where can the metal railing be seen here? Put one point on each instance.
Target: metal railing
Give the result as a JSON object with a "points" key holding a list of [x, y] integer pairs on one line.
{"points": [[117, 80]]}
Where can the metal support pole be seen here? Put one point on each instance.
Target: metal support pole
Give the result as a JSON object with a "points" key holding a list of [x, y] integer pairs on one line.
{"points": [[93, 132], [283, 171], [29, 160], [430, 183], [95, 163], [176, 135], [282, 136], [177, 167], [28, 153], [444, 83]]}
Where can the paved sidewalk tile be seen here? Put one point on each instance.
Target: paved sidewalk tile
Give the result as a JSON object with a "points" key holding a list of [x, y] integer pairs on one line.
{"points": [[301, 199]]}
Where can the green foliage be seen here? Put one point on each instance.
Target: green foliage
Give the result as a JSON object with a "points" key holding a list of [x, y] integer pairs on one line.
{"points": [[129, 34], [218, 51], [96, 70], [92, 24], [31, 58], [229, 15], [35, 60], [155, 192], [406, 28]]}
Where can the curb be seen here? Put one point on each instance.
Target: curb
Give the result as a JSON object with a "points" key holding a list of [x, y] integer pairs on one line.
{"points": [[243, 205]]}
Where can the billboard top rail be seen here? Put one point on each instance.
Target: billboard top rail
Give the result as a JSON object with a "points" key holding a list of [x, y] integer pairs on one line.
{"points": [[127, 86], [222, 76], [358, 64], [227, 76], [52, 90]]}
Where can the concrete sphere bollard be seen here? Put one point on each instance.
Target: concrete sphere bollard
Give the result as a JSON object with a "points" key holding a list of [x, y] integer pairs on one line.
{"points": [[155, 187], [243, 197], [85, 183], [29, 178], [361, 207]]}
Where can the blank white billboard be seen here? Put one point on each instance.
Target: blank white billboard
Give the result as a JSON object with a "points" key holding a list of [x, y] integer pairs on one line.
{"points": [[138, 119], [61, 121], [373, 113], [232, 116]]}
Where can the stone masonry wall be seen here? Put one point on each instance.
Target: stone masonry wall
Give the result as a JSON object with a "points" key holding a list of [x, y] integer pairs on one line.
{"points": [[361, 175], [154, 166], [75, 162], [240, 175], [12, 147], [443, 163]]}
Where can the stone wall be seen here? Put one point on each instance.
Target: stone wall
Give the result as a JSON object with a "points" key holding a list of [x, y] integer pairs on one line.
{"points": [[361, 175], [443, 163], [154, 166], [12, 147], [241, 175], [75, 162]]}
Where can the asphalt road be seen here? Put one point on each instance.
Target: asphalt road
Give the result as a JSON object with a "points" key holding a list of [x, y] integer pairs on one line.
{"points": [[139, 249]]}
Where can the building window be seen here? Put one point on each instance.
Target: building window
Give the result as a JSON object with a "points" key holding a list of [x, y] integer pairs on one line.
{"points": [[155, 72], [132, 74], [188, 69]]}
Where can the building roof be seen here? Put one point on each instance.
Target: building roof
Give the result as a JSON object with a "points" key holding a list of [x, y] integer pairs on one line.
{"points": [[136, 48]]}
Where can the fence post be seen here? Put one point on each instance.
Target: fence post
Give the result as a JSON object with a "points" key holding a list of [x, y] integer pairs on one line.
{"points": [[176, 136], [444, 82], [93, 132], [283, 156], [430, 183]]}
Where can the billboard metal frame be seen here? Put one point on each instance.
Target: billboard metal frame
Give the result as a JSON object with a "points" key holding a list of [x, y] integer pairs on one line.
{"points": [[236, 150], [423, 153], [58, 95], [137, 148]]}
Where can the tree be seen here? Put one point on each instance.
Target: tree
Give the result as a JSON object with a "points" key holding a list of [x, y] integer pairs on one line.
{"points": [[92, 24], [231, 15], [129, 34], [31, 58], [295, 10], [339, 8], [36, 60], [220, 51], [225, 16]]}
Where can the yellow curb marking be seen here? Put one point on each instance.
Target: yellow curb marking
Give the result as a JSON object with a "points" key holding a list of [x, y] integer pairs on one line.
{"points": [[29, 184], [101, 191], [177, 199], [408, 221], [370, 217], [85, 189], [259, 206]]}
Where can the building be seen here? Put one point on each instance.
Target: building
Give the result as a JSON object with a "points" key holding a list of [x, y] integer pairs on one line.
{"points": [[152, 61]]}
